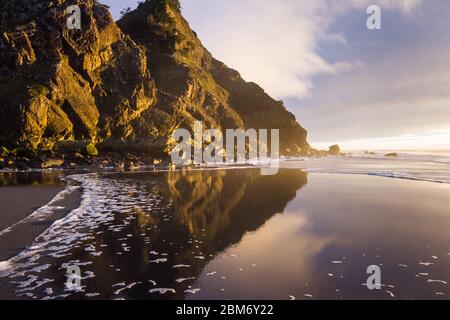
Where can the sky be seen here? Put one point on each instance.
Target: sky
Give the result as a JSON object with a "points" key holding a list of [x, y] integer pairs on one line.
{"points": [[346, 84]]}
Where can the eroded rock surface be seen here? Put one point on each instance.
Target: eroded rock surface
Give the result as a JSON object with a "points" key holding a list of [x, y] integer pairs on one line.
{"points": [[120, 85]]}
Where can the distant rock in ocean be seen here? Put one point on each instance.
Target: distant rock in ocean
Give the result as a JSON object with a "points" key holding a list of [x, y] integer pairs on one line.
{"points": [[334, 150], [393, 154]]}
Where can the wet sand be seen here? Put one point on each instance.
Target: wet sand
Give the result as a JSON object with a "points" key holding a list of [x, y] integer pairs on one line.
{"points": [[17, 203]]}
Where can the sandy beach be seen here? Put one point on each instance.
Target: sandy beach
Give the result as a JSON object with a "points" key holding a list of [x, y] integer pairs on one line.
{"points": [[18, 202]]}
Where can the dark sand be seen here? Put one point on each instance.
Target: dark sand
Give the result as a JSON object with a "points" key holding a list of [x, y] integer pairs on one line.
{"points": [[17, 203]]}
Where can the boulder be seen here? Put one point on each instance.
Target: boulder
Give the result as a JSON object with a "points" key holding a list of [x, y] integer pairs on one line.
{"points": [[91, 150], [50, 163]]}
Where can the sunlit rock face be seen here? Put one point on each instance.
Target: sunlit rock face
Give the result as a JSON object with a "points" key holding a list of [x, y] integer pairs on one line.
{"points": [[120, 84], [60, 84], [194, 85]]}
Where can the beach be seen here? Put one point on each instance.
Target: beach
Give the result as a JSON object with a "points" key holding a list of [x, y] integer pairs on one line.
{"points": [[225, 234], [31, 202]]}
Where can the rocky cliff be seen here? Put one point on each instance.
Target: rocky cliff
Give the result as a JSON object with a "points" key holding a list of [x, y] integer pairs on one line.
{"points": [[119, 85]]}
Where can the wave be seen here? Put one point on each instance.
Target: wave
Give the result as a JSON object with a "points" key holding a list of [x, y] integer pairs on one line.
{"points": [[438, 157], [423, 176], [443, 160], [54, 240], [412, 167], [101, 200], [43, 212], [405, 176]]}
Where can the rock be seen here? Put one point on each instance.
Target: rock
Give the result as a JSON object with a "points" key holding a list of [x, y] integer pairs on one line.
{"points": [[24, 159], [334, 150], [70, 85], [4, 151], [91, 150], [121, 86], [225, 100], [130, 165], [172, 166], [120, 165], [393, 154], [130, 157], [23, 166], [49, 163], [24, 153], [35, 163]]}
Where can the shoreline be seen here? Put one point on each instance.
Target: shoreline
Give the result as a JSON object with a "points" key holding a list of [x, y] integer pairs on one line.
{"points": [[27, 198], [18, 226]]}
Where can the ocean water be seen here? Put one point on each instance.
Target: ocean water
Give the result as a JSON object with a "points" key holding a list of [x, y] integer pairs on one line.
{"points": [[309, 232], [424, 166]]}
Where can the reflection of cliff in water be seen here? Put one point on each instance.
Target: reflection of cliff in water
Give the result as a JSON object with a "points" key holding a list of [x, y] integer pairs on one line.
{"points": [[204, 212], [228, 203], [212, 210], [31, 178], [209, 211]]}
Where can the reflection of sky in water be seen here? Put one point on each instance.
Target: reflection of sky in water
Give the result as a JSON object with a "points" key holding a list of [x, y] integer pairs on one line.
{"points": [[331, 232], [236, 234]]}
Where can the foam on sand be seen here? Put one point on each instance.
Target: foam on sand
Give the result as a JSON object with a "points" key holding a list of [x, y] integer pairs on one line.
{"points": [[162, 290]]}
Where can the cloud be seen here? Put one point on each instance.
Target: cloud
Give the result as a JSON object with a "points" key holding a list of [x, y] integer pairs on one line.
{"points": [[407, 6], [399, 95], [276, 43]]}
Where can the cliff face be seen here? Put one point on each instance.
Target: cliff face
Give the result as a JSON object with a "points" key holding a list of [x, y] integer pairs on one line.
{"points": [[58, 84], [259, 110], [116, 85]]}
